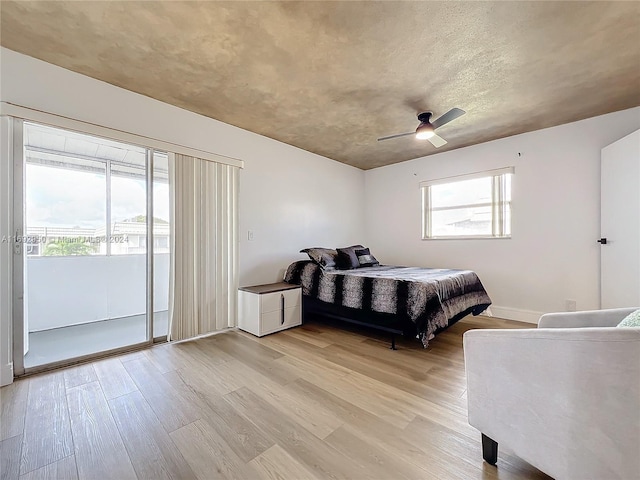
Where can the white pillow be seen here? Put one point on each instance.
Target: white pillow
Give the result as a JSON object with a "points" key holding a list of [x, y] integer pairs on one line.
{"points": [[631, 320]]}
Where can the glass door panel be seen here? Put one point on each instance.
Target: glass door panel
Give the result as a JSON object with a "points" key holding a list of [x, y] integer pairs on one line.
{"points": [[85, 265], [127, 243]]}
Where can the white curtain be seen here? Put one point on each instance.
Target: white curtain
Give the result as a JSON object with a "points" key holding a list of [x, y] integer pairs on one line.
{"points": [[203, 281]]}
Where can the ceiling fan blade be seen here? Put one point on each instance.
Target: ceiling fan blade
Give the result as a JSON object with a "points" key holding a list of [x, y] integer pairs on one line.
{"points": [[396, 136], [447, 117], [437, 141]]}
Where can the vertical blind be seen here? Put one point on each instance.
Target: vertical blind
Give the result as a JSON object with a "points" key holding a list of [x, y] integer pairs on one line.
{"points": [[203, 273]]}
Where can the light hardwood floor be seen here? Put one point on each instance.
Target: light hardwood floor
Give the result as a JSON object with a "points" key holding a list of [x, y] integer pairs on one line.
{"points": [[314, 402]]}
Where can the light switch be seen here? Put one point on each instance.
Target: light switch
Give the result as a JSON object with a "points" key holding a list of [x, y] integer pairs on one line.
{"points": [[250, 235]]}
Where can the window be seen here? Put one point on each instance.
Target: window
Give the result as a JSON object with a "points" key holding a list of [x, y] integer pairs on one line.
{"points": [[468, 206], [87, 195]]}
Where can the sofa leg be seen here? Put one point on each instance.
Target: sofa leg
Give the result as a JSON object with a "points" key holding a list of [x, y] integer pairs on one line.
{"points": [[489, 450]]}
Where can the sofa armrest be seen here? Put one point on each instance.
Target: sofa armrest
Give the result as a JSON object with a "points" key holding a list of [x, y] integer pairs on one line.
{"points": [[565, 400], [587, 318]]}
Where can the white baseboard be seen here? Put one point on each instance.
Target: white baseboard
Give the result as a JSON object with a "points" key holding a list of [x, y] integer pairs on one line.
{"points": [[517, 314], [6, 374]]}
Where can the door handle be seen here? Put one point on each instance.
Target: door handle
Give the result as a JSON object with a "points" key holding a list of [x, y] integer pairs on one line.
{"points": [[17, 243], [602, 241], [282, 309]]}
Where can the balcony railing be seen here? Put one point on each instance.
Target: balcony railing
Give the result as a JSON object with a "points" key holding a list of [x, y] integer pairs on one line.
{"points": [[64, 291]]}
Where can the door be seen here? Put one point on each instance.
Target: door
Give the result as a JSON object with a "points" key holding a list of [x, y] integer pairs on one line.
{"points": [[620, 223], [94, 246]]}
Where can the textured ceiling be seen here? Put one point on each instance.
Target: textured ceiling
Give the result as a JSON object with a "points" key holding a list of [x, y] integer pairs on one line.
{"points": [[331, 77]]}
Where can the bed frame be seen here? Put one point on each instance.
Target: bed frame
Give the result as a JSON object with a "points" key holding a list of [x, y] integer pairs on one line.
{"points": [[384, 322]]}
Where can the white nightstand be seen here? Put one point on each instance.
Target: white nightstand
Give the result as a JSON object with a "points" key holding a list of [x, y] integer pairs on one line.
{"points": [[264, 309]]}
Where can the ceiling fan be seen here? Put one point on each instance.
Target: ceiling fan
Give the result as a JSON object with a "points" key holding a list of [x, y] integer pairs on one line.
{"points": [[426, 129]]}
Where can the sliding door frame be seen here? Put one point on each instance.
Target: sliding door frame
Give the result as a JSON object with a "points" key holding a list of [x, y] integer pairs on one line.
{"points": [[16, 129], [17, 154], [150, 240]]}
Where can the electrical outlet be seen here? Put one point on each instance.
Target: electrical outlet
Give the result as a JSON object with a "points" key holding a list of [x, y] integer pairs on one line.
{"points": [[250, 235], [570, 305]]}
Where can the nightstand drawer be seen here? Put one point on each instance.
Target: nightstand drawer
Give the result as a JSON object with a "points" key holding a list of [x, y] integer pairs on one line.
{"points": [[279, 320], [270, 302]]}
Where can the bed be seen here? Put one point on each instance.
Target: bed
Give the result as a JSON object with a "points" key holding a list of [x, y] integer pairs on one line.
{"points": [[412, 301]]}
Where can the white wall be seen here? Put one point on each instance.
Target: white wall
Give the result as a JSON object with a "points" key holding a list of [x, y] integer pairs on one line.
{"points": [[552, 256], [289, 198], [293, 202]]}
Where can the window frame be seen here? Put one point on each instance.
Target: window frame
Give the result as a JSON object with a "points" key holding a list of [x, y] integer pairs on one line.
{"points": [[501, 204]]}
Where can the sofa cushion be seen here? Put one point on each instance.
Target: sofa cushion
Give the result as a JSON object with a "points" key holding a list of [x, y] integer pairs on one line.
{"points": [[631, 320]]}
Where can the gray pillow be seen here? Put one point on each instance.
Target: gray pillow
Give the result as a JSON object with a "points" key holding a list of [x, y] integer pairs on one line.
{"points": [[365, 259], [631, 320], [325, 257], [347, 258]]}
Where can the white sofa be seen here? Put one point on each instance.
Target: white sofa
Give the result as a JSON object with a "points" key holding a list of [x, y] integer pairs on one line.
{"points": [[562, 397]]}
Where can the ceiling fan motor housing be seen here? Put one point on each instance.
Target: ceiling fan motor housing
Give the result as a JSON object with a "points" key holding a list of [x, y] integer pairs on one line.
{"points": [[425, 117]]}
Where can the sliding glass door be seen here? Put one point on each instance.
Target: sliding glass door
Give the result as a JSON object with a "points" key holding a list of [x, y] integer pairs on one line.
{"points": [[95, 245]]}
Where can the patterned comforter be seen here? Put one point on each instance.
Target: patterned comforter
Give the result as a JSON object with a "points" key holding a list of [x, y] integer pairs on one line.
{"points": [[429, 297]]}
